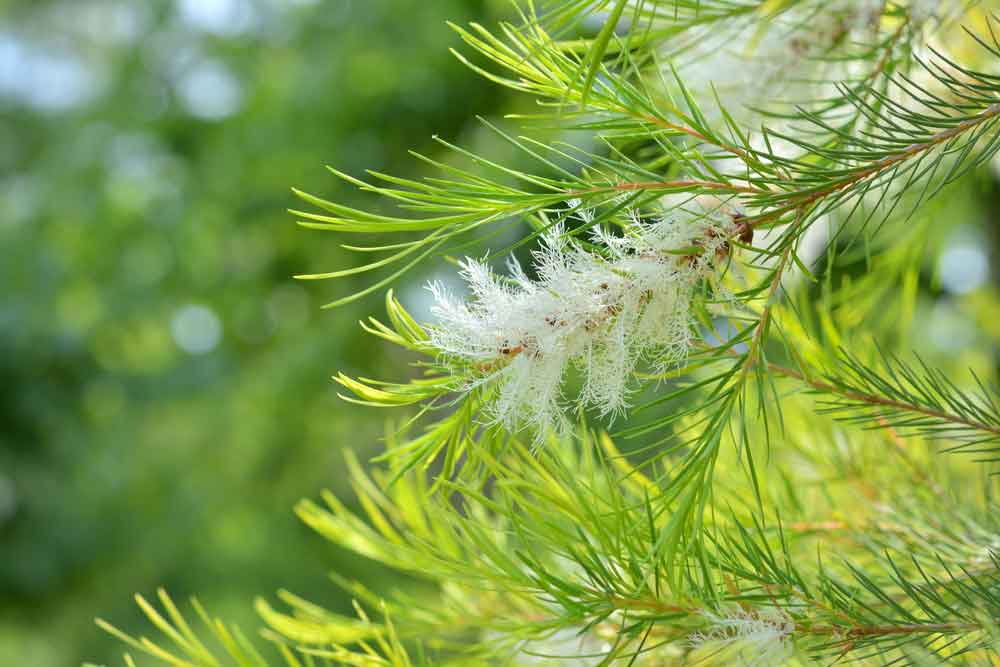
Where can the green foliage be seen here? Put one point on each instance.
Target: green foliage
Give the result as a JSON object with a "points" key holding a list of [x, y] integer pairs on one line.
{"points": [[781, 494], [914, 400]]}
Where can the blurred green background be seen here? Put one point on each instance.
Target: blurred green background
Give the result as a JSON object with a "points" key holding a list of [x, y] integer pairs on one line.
{"points": [[164, 383], [165, 392]]}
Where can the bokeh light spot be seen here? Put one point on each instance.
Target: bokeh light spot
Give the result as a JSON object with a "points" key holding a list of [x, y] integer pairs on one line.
{"points": [[221, 17], [196, 329], [210, 91], [44, 77], [963, 267]]}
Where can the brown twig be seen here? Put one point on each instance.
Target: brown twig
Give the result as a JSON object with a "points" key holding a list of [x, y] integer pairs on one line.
{"points": [[873, 399], [670, 185], [799, 201]]}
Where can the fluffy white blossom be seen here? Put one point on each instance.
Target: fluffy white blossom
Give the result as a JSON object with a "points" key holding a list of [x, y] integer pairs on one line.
{"points": [[921, 11], [567, 646], [799, 55], [750, 66], [601, 313], [759, 637]]}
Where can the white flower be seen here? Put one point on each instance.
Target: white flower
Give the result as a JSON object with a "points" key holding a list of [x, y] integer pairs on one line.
{"points": [[758, 637], [921, 11], [590, 646], [796, 56], [786, 59], [567, 646], [600, 313]]}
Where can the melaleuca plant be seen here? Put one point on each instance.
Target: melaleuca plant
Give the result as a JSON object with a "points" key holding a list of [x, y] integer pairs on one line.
{"points": [[665, 407]]}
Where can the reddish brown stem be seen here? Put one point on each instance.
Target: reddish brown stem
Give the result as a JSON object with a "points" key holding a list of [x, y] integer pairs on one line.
{"points": [[873, 399], [668, 185], [801, 200]]}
